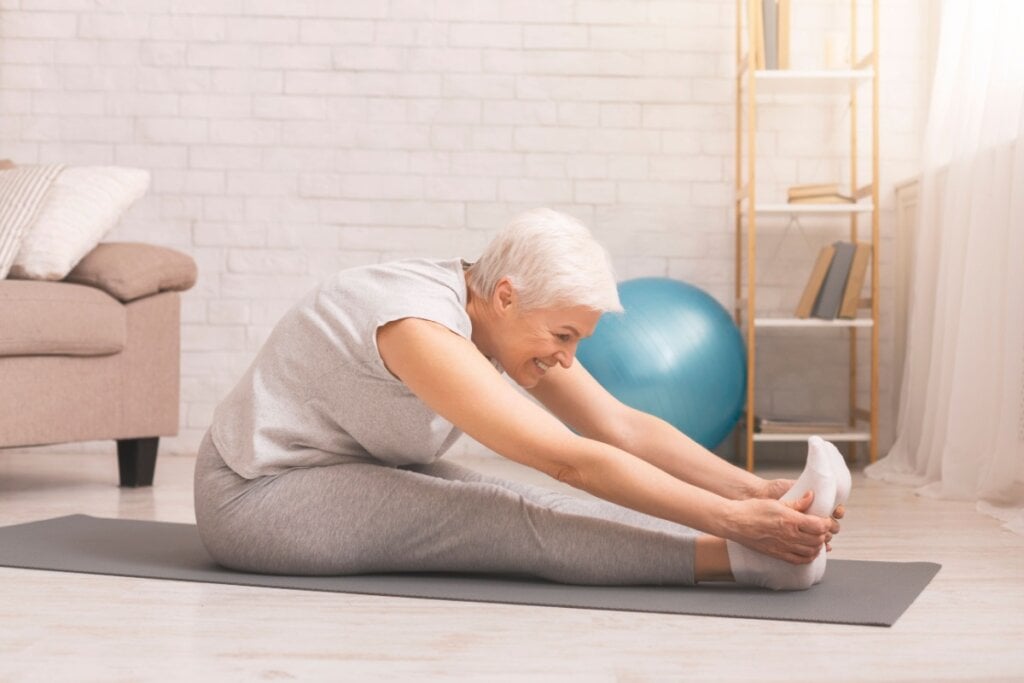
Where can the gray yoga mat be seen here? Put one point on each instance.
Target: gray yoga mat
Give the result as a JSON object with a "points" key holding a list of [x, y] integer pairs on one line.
{"points": [[852, 592]]}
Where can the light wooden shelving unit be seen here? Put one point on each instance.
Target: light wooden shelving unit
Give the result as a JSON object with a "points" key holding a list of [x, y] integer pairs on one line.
{"points": [[750, 82]]}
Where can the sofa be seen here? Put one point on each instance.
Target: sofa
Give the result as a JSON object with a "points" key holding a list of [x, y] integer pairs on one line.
{"points": [[96, 356]]}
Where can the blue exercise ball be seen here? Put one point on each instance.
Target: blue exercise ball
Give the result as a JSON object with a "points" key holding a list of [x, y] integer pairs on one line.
{"points": [[676, 353]]}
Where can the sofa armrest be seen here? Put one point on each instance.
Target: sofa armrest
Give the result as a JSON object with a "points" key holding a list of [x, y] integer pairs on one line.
{"points": [[130, 270]]}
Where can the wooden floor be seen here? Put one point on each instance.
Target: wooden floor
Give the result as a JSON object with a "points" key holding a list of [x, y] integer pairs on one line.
{"points": [[968, 625]]}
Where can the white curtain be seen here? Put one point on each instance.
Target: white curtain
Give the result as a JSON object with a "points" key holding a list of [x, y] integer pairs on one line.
{"points": [[960, 428]]}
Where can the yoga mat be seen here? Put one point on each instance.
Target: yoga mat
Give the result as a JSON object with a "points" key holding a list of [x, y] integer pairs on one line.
{"points": [[852, 592]]}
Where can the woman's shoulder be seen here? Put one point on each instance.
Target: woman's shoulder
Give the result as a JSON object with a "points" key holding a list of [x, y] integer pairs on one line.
{"points": [[441, 270], [408, 277]]}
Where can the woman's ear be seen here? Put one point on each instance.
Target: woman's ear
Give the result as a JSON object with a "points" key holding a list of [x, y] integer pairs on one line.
{"points": [[504, 295]]}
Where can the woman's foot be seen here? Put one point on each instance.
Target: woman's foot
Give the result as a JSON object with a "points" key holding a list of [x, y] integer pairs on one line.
{"points": [[820, 475], [842, 473]]}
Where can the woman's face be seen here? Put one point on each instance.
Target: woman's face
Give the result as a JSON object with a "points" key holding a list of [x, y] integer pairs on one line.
{"points": [[536, 341]]}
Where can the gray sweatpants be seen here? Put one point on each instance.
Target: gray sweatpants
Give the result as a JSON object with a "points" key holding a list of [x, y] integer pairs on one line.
{"points": [[363, 518]]}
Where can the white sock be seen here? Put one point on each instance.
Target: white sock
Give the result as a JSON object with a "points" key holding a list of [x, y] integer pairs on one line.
{"points": [[757, 569], [819, 470], [842, 473]]}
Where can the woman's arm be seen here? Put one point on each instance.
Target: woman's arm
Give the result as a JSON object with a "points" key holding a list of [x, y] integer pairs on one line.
{"points": [[576, 397], [669, 449], [664, 446], [451, 376]]}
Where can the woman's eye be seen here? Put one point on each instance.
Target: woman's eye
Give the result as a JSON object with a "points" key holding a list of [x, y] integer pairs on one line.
{"points": [[565, 338]]}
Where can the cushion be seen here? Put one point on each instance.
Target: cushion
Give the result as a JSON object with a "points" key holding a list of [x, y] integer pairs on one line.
{"points": [[23, 192], [57, 318], [83, 204], [128, 270]]}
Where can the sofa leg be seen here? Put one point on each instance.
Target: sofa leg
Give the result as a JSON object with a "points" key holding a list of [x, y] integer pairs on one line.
{"points": [[136, 461]]}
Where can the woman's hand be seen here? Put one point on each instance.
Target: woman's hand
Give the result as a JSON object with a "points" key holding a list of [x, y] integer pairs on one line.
{"points": [[836, 514], [771, 488], [779, 529], [776, 488]]}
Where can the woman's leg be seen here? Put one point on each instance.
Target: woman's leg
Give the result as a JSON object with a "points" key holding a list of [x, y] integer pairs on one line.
{"points": [[711, 559], [362, 518], [557, 500]]}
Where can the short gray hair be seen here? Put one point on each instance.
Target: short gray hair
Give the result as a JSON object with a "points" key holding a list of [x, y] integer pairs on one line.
{"points": [[552, 260]]}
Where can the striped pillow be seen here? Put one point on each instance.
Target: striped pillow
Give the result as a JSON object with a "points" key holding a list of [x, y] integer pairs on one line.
{"points": [[22, 192], [84, 204]]}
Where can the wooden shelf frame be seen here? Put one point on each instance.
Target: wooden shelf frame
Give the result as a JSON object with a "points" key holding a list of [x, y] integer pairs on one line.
{"points": [[816, 82], [751, 81], [852, 437], [813, 209], [813, 322]]}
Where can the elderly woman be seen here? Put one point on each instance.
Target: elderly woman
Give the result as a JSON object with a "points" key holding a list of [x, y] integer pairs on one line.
{"points": [[326, 457]]}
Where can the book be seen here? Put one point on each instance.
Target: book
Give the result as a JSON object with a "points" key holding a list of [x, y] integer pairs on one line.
{"points": [[784, 10], [796, 426], [831, 297], [855, 282], [823, 199], [813, 287], [812, 190], [770, 19]]}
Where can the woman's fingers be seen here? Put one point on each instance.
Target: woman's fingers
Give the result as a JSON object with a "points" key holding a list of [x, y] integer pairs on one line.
{"points": [[794, 553], [803, 530], [803, 502], [802, 558], [815, 526], [778, 488], [808, 535], [783, 530], [808, 546]]}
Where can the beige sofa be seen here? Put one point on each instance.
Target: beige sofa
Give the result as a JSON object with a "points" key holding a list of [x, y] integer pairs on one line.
{"points": [[96, 356]]}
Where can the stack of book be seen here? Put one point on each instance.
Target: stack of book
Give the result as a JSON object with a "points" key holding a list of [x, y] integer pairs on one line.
{"points": [[833, 289], [824, 193], [763, 425]]}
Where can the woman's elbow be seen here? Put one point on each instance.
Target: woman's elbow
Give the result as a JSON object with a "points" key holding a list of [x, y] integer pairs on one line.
{"points": [[623, 431], [572, 460], [569, 474]]}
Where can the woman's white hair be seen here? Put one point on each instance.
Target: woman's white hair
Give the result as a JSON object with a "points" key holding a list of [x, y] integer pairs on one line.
{"points": [[552, 260]]}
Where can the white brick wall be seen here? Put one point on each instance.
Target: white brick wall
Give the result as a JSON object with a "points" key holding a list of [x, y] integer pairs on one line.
{"points": [[291, 139]]}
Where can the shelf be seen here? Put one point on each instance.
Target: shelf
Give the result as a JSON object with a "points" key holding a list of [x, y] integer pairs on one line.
{"points": [[790, 209], [845, 91], [828, 436], [812, 322], [822, 81]]}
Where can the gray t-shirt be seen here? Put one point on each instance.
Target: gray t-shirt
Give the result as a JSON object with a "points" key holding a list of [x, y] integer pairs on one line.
{"points": [[318, 393]]}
